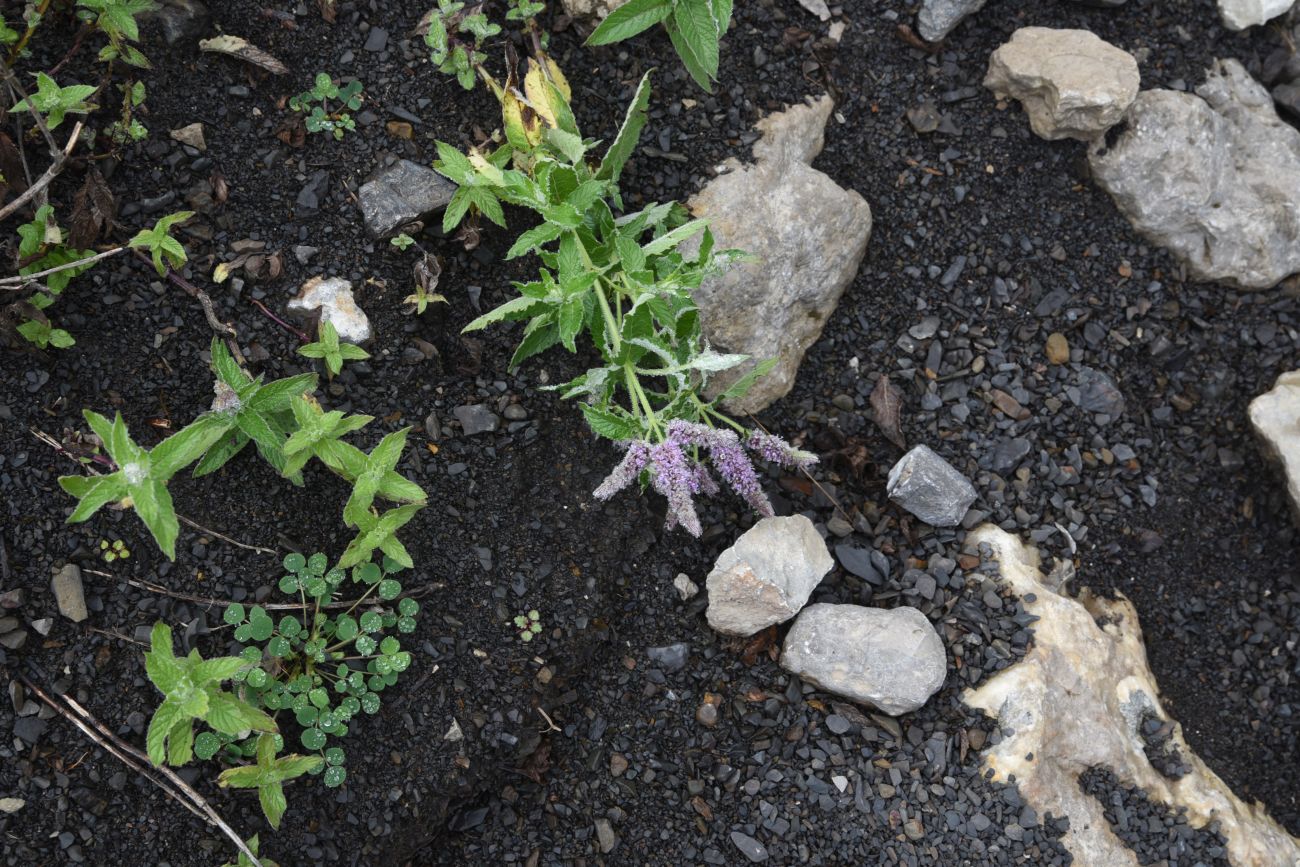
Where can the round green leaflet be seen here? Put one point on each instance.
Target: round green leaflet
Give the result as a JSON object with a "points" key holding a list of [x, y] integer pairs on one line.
{"points": [[334, 776], [372, 621], [317, 587], [206, 745], [400, 661], [257, 678], [295, 562], [278, 647], [252, 654], [289, 584], [389, 589], [370, 703], [391, 566], [382, 665], [234, 614], [345, 629], [365, 645], [313, 739], [334, 576], [316, 565], [351, 705], [319, 697], [306, 716], [406, 624], [408, 607], [367, 573], [389, 646]]}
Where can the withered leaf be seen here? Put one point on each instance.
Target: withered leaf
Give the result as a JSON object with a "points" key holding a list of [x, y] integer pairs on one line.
{"points": [[235, 46], [93, 210], [220, 189], [11, 168], [886, 408], [292, 131], [538, 762], [427, 270], [328, 10]]}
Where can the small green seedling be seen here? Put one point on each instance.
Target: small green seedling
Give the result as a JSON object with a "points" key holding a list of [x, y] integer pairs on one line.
{"points": [[330, 350], [419, 300], [455, 39], [41, 247], [528, 625], [243, 861], [695, 28], [402, 241], [164, 249], [269, 775], [116, 551], [523, 10], [116, 19], [316, 103], [55, 102], [191, 686], [128, 128]]}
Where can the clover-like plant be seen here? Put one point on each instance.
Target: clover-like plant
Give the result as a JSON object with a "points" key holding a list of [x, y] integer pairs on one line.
{"points": [[695, 27], [163, 248], [625, 281], [529, 625], [192, 692], [116, 551], [329, 349], [327, 105], [140, 480]]}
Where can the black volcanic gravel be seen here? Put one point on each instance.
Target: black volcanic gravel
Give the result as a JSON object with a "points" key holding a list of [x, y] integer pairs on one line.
{"points": [[1156, 834], [1135, 464]]}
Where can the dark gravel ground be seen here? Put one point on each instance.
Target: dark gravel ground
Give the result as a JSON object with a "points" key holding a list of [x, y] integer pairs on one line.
{"points": [[986, 241]]}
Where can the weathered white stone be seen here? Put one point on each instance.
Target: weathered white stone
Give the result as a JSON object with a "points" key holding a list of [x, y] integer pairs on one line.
{"points": [[69, 593], [1077, 701], [1276, 419], [889, 658], [191, 135], [332, 296], [1240, 14], [806, 236], [1071, 83], [1214, 178], [930, 488], [937, 18], [766, 576], [590, 8]]}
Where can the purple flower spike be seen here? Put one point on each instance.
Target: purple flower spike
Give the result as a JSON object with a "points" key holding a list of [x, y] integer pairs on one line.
{"points": [[776, 450], [627, 471], [704, 479], [676, 480], [728, 457]]}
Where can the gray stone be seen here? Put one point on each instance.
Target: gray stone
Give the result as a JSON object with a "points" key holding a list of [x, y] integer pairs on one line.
{"points": [[1070, 83], [592, 9], [69, 594], [891, 659], [605, 836], [402, 193], [807, 236], [476, 419], [181, 20], [13, 640], [311, 194], [1098, 393], [937, 18], [670, 657], [755, 851], [303, 253], [332, 298], [376, 39], [685, 587], [1240, 14], [1275, 416], [1008, 454], [766, 576], [930, 488], [1213, 178]]}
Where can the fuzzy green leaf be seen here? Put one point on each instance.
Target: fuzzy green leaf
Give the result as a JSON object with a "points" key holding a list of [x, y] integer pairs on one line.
{"points": [[628, 135], [630, 19]]}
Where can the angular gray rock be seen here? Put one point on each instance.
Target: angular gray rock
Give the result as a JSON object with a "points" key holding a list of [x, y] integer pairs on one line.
{"points": [[891, 659], [930, 488], [766, 576], [332, 297], [69, 593], [1240, 14], [1070, 83], [1213, 178], [476, 419], [402, 193], [807, 236], [1275, 416], [937, 18]]}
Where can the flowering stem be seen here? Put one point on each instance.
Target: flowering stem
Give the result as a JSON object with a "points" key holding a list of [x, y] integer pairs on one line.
{"points": [[710, 411], [639, 399]]}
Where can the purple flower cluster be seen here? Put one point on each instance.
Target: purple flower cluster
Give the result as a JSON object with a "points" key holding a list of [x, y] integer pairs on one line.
{"points": [[678, 476]]}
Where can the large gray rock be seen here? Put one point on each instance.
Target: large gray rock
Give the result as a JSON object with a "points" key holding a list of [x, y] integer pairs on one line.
{"points": [[1276, 419], [331, 298], [930, 488], [1078, 700], [937, 18], [1071, 83], [69, 593], [807, 236], [1214, 178], [402, 193], [767, 576], [1240, 14], [891, 659]]}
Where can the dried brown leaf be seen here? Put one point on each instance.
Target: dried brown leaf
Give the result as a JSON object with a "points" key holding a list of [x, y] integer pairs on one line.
{"points": [[328, 10], [427, 270], [886, 409], [93, 210], [220, 189], [14, 181], [238, 47]]}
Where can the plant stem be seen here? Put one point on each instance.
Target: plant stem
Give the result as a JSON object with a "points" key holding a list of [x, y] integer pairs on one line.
{"points": [[17, 50], [24, 279]]}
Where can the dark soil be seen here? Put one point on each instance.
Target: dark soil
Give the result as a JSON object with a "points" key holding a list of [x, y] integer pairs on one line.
{"points": [[1193, 526]]}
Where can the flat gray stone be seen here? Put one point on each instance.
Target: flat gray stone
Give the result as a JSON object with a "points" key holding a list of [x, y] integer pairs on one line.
{"points": [[476, 419], [69, 593], [937, 18], [766, 576], [402, 193], [930, 488], [891, 659]]}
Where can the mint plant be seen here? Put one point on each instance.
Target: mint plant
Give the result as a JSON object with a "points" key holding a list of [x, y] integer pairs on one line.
{"points": [[455, 36], [116, 19], [242, 860], [330, 350], [41, 247], [140, 480], [55, 103], [695, 27], [624, 282], [316, 103], [162, 247], [268, 777], [128, 128], [192, 692]]}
